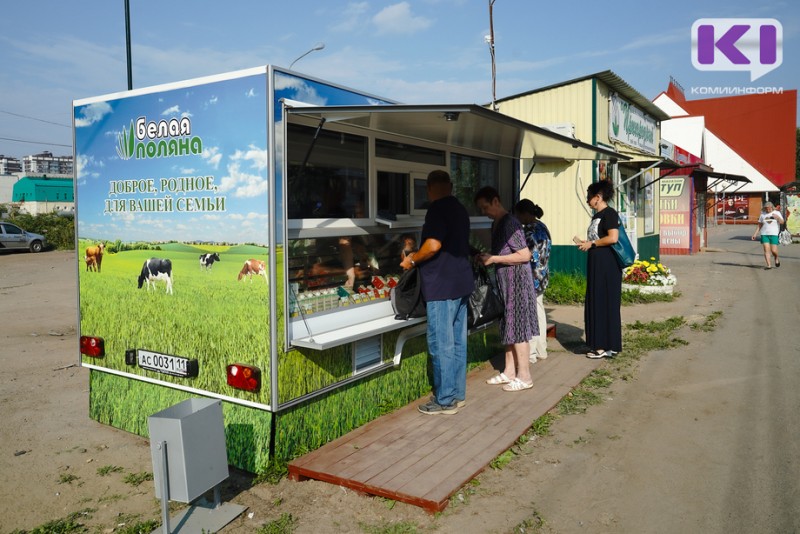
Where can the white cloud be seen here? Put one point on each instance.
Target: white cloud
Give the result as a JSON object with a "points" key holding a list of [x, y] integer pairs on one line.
{"points": [[258, 157], [352, 17], [174, 110], [92, 113], [398, 19], [251, 93], [238, 181], [212, 156]]}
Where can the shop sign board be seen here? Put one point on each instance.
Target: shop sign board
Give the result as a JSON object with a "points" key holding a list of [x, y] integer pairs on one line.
{"points": [[675, 204], [630, 125]]}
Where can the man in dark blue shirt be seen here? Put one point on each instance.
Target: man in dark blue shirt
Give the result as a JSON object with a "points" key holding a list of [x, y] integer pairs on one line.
{"points": [[447, 281]]}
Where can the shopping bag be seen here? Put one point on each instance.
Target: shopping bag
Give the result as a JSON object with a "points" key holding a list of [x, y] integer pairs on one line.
{"points": [[785, 238], [623, 250], [406, 296], [485, 303]]}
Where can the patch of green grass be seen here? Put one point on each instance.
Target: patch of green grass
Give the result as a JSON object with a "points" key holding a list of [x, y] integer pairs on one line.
{"points": [[386, 527], [654, 327], [566, 288], [64, 525], [67, 478], [463, 495], [599, 378], [389, 503], [285, 524], [274, 473], [541, 427], [578, 401], [640, 338], [135, 479], [130, 524], [570, 288], [110, 498], [708, 324], [108, 469], [503, 460], [637, 297], [535, 523]]}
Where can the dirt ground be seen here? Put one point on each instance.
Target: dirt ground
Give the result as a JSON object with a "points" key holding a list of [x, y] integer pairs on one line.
{"points": [[612, 469]]}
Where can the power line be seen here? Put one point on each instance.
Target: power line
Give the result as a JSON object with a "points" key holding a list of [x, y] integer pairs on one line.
{"points": [[35, 119], [33, 142]]}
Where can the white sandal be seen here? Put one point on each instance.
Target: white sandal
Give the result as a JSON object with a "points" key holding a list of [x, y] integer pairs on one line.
{"points": [[517, 385], [499, 379]]}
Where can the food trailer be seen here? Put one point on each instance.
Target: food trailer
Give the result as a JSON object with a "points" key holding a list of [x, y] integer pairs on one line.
{"points": [[238, 236]]}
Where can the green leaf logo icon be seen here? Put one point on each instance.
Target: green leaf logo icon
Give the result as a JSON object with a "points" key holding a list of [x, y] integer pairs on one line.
{"points": [[125, 143]]}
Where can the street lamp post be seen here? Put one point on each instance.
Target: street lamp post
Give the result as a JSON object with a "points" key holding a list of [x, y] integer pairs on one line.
{"points": [[318, 46], [128, 41]]}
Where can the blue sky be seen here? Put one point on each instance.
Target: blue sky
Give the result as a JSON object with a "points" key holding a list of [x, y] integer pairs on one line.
{"points": [[414, 51]]}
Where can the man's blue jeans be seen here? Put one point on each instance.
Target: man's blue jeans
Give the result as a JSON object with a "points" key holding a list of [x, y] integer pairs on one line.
{"points": [[447, 346]]}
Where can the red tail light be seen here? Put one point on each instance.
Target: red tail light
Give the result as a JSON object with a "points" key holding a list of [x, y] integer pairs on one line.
{"points": [[246, 377], [93, 346]]}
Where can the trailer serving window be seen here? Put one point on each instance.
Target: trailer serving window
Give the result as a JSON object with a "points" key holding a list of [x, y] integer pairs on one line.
{"points": [[327, 174], [340, 266]]}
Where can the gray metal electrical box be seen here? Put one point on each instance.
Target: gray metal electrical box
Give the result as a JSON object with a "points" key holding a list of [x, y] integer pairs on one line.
{"points": [[197, 460]]}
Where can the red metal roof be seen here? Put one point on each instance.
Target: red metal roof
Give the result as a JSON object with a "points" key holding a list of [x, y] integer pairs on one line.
{"points": [[760, 128]]}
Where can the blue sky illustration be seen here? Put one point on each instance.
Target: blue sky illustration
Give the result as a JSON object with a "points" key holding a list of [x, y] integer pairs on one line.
{"points": [[230, 117]]}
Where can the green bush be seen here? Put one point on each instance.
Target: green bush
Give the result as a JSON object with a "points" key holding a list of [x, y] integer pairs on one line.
{"points": [[59, 230]]}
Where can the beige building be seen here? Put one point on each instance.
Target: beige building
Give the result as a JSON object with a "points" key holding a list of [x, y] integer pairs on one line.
{"points": [[603, 110]]}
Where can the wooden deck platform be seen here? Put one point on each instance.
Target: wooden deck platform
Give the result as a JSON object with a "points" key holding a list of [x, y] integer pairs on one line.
{"points": [[424, 459]]}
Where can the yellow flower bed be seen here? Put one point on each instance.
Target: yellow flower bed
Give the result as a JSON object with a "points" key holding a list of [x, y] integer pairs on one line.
{"points": [[648, 273]]}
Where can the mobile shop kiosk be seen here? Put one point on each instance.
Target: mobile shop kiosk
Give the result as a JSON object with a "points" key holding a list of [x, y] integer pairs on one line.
{"points": [[253, 223]]}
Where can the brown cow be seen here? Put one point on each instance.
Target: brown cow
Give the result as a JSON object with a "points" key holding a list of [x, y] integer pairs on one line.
{"points": [[253, 267], [94, 257]]}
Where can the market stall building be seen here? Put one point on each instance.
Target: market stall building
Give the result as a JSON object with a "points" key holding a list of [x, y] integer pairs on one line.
{"points": [[600, 109], [304, 193]]}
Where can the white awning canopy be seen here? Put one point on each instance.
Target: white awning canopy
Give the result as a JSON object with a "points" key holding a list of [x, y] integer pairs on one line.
{"points": [[462, 126]]}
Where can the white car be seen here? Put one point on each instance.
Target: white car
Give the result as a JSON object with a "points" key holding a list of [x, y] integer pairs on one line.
{"points": [[13, 237]]}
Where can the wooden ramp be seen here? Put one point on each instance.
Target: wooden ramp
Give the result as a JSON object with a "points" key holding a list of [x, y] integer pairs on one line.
{"points": [[424, 459]]}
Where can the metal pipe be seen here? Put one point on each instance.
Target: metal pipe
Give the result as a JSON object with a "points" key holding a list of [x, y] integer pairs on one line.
{"points": [[128, 42]]}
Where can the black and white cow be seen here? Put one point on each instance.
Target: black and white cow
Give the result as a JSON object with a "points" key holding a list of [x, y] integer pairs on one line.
{"points": [[156, 269], [207, 260]]}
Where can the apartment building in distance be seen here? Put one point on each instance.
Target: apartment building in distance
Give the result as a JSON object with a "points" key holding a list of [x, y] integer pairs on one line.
{"points": [[47, 163], [9, 165]]}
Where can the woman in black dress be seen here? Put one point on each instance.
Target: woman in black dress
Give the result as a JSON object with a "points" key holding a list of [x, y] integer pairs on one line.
{"points": [[602, 320]]}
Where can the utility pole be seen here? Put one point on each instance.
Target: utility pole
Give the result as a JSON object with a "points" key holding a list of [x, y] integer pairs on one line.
{"points": [[128, 41], [490, 41]]}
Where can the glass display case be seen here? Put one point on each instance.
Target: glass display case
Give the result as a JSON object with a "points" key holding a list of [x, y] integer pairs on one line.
{"points": [[329, 273]]}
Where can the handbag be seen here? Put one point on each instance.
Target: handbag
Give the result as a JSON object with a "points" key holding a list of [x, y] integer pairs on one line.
{"points": [[785, 238], [406, 296], [485, 303], [623, 250]]}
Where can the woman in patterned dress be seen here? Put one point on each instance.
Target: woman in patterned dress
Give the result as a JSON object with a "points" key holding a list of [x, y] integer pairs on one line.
{"points": [[539, 242], [511, 257]]}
